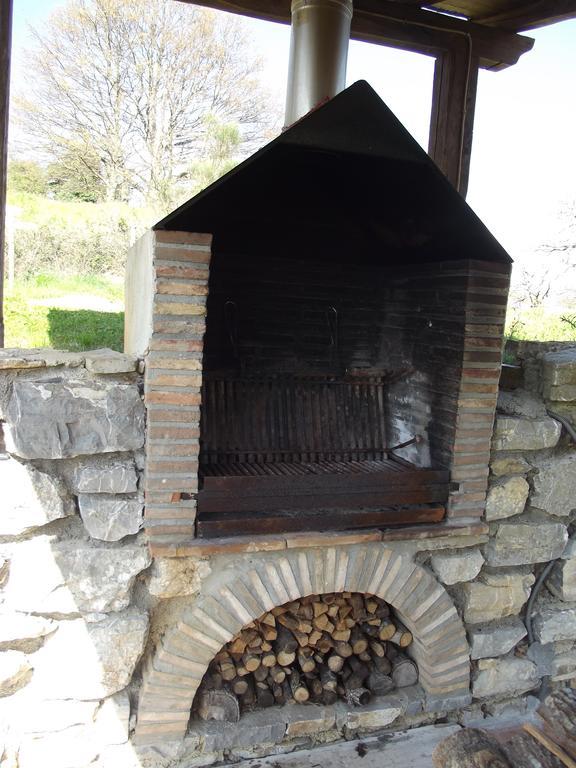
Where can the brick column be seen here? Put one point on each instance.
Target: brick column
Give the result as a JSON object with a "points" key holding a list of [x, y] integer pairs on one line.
{"points": [[173, 383], [485, 312]]}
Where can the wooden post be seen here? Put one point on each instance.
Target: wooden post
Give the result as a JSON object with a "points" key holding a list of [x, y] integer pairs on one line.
{"points": [[5, 51], [452, 119]]}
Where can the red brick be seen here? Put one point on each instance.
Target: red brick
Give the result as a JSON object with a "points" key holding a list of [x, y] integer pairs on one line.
{"points": [[176, 345], [468, 473], [187, 238], [158, 379], [471, 459], [180, 432], [477, 342], [174, 288], [173, 398], [482, 356], [470, 386], [179, 466], [470, 372], [162, 530], [461, 433], [160, 414], [177, 361], [190, 328], [171, 484], [173, 449], [188, 256], [475, 512], [170, 513], [180, 309], [465, 498], [474, 485], [183, 272]]}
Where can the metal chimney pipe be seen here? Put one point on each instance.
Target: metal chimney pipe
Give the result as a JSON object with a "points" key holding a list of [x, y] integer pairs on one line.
{"points": [[318, 54]]}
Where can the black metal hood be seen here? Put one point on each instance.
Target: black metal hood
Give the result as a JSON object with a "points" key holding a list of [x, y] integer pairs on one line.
{"points": [[346, 181]]}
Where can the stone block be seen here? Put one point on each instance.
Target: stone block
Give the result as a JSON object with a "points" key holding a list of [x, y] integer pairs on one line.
{"points": [[71, 578], [542, 656], [555, 622], [448, 702], [454, 567], [483, 602], [516, 433], [559, 368], [495, 639], [509, 465], [307, 720], [564, 666], [261, 726], [112, 720], [33, 716], [562, 580], [109, 361], [569, 549], [30, 499], [105, 477], [554, 484], [176, 577], [72, 748], [21, 632], [15, 672], [520, 402], [506, 498], [563, 393], [90, 660], [110, 517], [567, 410], [508, 676], [66, 418], [378, 714], [530, 538]]}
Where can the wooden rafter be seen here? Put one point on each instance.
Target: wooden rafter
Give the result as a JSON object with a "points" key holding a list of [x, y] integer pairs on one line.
{"points": [[452, 118], [400, 25], [532, 15]]}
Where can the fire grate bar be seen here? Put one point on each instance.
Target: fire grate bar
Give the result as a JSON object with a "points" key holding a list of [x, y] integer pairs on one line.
{"points": [[285, 469]]}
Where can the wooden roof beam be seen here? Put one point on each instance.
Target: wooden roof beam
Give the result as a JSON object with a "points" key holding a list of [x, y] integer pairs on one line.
{"points": [[539, 13], [399, 25]]}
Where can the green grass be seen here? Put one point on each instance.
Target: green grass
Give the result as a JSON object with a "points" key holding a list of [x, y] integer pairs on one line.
{"points": [[40, 211], [29, 325], [539, 324]]}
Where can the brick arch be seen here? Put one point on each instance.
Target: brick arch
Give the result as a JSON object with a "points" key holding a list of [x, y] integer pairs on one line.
{"points": [[235, 596]]}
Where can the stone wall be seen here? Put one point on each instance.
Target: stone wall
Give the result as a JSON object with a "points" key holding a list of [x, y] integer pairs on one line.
{"points": [[84, 608], [77, 587]]}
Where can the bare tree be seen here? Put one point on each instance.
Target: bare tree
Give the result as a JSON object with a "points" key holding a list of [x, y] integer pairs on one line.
{"points": [[552, 277], [133, 83]]}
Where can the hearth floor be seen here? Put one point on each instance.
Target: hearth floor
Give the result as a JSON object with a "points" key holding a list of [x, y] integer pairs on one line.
{"points": [[399, 749], [403, 749]]}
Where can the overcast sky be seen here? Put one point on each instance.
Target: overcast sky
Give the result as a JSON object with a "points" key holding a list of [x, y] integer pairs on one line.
{"points": [[524, 153]]}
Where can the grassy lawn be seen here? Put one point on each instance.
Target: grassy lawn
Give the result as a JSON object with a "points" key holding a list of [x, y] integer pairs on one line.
{"points": [[73, 313], [539, 324]]}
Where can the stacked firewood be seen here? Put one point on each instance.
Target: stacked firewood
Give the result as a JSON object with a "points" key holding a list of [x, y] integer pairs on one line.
{"points": [[319, 648]]}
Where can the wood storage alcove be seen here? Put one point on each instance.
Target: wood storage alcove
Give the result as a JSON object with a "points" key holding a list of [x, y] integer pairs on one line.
{"points": [[318, 649], [244, 591]]}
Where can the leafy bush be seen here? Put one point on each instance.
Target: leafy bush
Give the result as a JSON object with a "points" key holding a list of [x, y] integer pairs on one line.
{"points": [[74, 237]]}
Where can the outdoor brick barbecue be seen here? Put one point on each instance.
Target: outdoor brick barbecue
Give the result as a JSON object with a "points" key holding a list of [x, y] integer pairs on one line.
{"points": [[332, 365], [324, 327]]}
